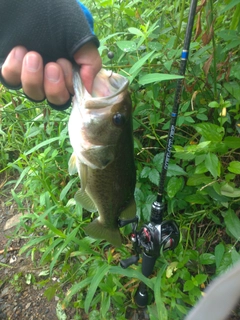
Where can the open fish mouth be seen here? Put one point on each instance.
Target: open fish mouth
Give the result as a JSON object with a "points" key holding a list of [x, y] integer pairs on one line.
{"points": [[107, 86]]}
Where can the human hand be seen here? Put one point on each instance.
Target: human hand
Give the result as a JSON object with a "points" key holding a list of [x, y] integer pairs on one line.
{"points": [[53, 35], [54, 80]]}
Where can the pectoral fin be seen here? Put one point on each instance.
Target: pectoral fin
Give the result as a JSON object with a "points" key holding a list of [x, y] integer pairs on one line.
{"points": [[83, 176], [85, 201], [97, 230], [72, 165], [75, 166]]}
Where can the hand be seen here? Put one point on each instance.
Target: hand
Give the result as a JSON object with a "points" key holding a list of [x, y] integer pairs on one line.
{"points": [[54, 80]]}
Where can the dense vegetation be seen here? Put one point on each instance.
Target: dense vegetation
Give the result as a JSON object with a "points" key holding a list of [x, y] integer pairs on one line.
{"points": [[202, 186]]}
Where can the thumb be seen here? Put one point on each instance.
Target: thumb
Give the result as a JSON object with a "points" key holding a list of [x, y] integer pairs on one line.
{"points": [[90, 62]]}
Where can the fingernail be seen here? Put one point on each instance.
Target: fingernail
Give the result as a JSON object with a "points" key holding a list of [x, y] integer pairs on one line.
{"points": [[19, 54], [32, 62], [52, 73]]}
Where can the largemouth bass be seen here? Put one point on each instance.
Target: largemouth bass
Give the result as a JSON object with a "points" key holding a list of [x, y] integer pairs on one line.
{"points": [[100, 131]]}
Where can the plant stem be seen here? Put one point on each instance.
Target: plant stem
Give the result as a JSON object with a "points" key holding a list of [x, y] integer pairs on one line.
{"points": [[179, 24], [214, 51]]}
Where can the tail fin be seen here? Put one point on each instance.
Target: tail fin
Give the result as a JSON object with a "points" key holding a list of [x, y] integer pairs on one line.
{"points": [[96, 230]]}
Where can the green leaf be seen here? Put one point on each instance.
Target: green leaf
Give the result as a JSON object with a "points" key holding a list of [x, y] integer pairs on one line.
{"points": [[174, 185], [105, 305], [235, 256], [212, 164], [50, 226], [154, 176], [61, 315], [233, 87], [67, 188], [234, 166], [201, 278], [35, 241], [232, 142], [188, 285], [157, 77], [210, 131], [49, 249], [132, 273], [202, 117], [182, 309], [219, 252], [50, 292], [17, 199], [2, 133], [100, 273], [201, 168], [70, 237], [145, 172], [213, 104], [198, 179], [161, 309], [175, 170], [138, 65], [229, 191], [207, 258], [230, 5], [214, 192], [233, 224], [136, 31], [76, 288], [127, 46], [40, 145], [196, 199], [23, 174]]}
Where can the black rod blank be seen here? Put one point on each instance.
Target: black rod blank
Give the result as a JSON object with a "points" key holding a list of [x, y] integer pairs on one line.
{"points": [[182, 69]]}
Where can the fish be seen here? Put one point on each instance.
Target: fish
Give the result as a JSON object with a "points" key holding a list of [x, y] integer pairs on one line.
{"points": [[101, 134]]}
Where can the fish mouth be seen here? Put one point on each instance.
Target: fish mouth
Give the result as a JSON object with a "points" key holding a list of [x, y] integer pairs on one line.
{"points": [[107, 87]]}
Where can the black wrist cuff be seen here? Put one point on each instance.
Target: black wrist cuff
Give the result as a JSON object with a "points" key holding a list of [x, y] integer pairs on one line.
{"points": [[61, 107], [33, 100]]}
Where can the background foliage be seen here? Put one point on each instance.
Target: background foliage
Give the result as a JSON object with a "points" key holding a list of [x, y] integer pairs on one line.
{"points": [[202, 187]]}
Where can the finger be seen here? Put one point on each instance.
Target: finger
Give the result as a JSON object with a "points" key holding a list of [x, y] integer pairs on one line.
{"points": [[54, 84], [87, 75], [67, 67], [12, 67], [32, 76], [91, 63]]}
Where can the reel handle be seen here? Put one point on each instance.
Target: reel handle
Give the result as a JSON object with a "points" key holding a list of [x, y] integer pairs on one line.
{"points": [[125, 263]]}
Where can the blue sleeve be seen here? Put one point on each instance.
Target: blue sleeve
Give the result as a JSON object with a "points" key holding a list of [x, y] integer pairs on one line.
{"points": [[88, 15]]}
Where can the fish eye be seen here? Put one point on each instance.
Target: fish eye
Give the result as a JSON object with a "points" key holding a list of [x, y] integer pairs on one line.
{"points": [[118, 119]]}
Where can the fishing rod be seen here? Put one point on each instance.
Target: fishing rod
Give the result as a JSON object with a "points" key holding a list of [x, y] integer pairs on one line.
{"points": [[159, 235]]}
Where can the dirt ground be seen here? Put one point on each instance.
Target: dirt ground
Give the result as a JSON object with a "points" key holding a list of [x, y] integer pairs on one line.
{"points": [[18, 300]]}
